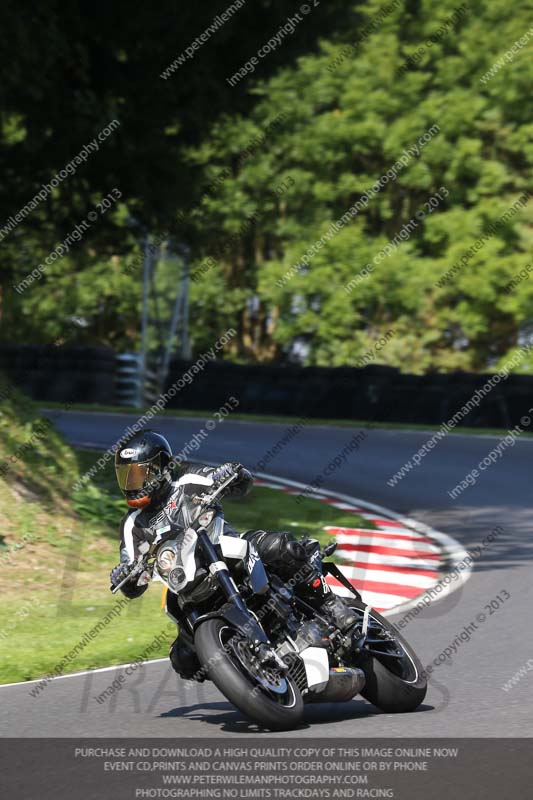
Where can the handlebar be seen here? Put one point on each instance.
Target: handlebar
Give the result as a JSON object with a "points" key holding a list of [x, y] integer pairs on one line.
{"points": [[137, 569], [204, 502], [207, 500]]}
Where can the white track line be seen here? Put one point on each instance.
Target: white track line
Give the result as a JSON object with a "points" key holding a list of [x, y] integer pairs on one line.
{"points": [[381, 576], [388, 561], [375, 599], [377, 541], [78, 674], [454, 551], [381, 533]]}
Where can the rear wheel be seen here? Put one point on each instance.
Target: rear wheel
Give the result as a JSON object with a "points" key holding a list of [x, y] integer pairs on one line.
{"points": [[395, 682], [264, 695]]}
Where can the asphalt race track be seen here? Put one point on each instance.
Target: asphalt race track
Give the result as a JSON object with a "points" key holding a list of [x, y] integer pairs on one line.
{"points": [[465, 696]]}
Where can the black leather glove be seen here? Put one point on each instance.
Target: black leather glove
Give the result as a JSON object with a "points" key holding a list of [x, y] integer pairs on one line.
{"points": [[238, 488], [129, 590], [223, 472], [118, 574]]}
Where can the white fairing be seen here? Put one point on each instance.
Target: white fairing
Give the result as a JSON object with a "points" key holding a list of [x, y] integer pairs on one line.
{"points": [[316, 664], [188, 560], [233, 546]]}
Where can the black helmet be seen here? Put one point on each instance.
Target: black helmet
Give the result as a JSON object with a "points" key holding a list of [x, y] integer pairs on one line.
{"points": [[142, 468]]}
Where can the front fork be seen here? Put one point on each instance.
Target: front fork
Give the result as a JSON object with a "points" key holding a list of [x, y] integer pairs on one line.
{"points": [[236, 611], [220, 569]]}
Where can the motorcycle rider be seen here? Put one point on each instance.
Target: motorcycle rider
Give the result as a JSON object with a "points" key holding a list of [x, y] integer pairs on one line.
{"points": [[157, 501]]}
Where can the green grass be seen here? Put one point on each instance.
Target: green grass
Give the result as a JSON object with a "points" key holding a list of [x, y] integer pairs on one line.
{"points": [[341, 423], [40, 636], [51, 603], [271, 509]]}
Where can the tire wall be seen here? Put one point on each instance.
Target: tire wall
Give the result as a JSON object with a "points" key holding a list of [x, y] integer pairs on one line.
{"points": [[61, 374], [374, 393]]}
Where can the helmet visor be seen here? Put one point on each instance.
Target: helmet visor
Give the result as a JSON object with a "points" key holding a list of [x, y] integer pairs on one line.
{"points": [[132, 477]]}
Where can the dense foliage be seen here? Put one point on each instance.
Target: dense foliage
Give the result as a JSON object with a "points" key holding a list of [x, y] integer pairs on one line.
{"points": [[273, 185]]}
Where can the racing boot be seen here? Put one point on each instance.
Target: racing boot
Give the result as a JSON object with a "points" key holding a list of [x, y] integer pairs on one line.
{"points": [[318, 594], [185, 661]]}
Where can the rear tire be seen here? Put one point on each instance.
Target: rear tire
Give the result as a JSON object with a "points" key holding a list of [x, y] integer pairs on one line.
{"points": [[229, 676], [395, 686]]}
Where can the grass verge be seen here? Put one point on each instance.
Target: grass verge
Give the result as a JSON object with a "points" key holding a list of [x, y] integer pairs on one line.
{"points": [[58, 555]]}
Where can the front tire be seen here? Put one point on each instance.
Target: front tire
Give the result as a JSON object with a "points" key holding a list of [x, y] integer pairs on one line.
{"points": [[215, 642], [394, 685]]}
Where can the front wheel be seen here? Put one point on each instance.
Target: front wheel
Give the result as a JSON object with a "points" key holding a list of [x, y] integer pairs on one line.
{"points": [[265, 696], [395, 680]]}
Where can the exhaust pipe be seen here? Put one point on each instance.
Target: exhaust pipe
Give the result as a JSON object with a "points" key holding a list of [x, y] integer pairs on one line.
{"points": [[344, 683]]}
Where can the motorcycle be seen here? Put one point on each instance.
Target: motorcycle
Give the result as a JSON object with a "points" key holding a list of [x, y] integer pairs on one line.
{"points": [[267, 650]]}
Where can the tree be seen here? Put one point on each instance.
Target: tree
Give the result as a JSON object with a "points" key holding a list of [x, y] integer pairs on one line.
{"points": [[349, 114]]}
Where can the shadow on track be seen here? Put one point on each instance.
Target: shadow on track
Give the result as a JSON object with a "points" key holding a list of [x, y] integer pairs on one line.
{"points": [[230, 720]]}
